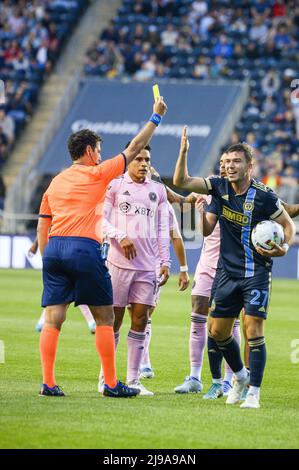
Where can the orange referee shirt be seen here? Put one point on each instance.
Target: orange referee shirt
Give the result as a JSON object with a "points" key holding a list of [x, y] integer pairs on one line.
{"points": [[75, 199]]}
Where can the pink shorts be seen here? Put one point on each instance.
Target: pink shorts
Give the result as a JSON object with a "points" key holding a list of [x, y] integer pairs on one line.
{"points": [[203, 281], [132, 287]]}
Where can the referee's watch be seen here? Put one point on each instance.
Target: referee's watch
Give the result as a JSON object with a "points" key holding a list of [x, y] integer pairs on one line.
{"points": [[184, 269]]}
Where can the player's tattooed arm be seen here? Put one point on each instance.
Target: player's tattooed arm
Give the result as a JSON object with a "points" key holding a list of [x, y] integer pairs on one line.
{"points": [[292, 209], [181, 177]]}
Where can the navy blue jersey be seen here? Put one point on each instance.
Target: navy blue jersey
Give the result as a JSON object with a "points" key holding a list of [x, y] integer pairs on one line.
{"points": [[237, 215]]}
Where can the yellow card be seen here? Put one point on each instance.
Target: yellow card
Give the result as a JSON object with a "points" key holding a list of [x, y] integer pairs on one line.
{"points": [[156, 92]]}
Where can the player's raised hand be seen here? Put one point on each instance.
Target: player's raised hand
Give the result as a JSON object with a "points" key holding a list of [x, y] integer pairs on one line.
{"points": [[275, 252], [128, 248], [183, 281], [184, 140], [160, 106], [164, 275]]}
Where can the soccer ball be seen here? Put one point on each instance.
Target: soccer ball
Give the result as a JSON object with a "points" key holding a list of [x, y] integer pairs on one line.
{"points": [[266, 232]]}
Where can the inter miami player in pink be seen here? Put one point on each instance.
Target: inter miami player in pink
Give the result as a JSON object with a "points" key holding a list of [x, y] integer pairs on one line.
{"points": [[137, 218]]}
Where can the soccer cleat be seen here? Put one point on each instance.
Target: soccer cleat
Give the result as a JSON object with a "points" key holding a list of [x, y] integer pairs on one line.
{"points": [[120, 391], [142, 390], [190, 385], [214, 392], [226, 386], [51, 391], [146, 373], [39, 325], [251, 401], [92, 326], [101, 384], [234, 395]]}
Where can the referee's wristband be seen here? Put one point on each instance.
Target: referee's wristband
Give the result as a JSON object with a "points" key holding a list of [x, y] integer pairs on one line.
{"points": [[184, 269], [285, 246], [156, 119]]}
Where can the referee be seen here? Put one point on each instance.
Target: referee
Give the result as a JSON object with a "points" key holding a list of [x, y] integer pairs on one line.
{"points": [[70, 241]]}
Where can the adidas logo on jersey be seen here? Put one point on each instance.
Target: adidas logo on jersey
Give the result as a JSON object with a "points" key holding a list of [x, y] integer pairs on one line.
{"points": [[126, 193]]}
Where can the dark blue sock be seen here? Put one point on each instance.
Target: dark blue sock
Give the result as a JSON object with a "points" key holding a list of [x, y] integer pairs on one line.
{"points": [[215, 358], [257, 360], [231, 352]]}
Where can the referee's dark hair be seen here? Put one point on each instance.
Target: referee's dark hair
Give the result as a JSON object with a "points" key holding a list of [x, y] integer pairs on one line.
{"points": [[242, 147], [78, 142], [147, 147]]}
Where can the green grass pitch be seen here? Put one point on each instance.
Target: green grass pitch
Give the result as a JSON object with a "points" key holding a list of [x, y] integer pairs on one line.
{"points": [[85, 420]]}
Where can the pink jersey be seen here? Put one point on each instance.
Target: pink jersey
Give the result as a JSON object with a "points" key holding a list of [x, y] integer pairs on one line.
{"points": [[211, 245], [138, 211]]}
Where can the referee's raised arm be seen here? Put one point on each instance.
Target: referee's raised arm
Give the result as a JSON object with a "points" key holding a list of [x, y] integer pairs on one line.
{"points": [[145, 135]]}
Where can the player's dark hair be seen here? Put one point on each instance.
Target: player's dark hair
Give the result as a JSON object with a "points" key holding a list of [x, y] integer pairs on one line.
{"points": [[78, 142], [242, 147], [147, 147]]}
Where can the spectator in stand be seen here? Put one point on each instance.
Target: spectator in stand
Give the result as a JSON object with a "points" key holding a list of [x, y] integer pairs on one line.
{"points": [[170, 36], [261, 9], [201, 69], [272, 179], [270, 83], [7, 125], [259, 31], [223, 48], [110, 33], [282, 38], [279, 9]]}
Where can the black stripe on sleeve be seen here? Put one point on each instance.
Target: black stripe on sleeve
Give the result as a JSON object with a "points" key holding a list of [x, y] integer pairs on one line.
{"points": [[125, 159], [208, 190], [45, 216]]}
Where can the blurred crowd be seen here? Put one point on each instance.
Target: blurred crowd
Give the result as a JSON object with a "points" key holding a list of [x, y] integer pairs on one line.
{"points": [[31, 36], [230, 39]]}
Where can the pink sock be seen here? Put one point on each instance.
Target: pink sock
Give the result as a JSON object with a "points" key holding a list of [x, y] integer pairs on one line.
{"points": [[135, 341], [197, 343], [116, 339], [237, 335], [146, 361], [86, 313]]}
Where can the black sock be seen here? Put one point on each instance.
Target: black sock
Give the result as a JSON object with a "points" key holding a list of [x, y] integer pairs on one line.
{"points": [[231, 352], [215, 358], [257, 360]]}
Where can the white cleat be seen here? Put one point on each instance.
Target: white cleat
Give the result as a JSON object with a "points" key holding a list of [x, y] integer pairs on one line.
{"points": [[235, 394], [251, 401], [146, 373], [190, 385], [143, 391]]}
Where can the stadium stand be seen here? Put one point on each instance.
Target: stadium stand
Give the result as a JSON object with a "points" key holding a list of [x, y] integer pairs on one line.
{"points": [[233, 39], [32, 35]]}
